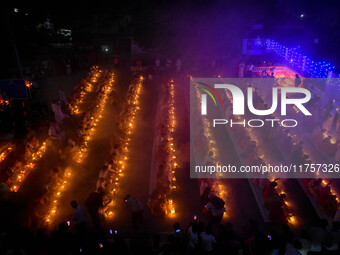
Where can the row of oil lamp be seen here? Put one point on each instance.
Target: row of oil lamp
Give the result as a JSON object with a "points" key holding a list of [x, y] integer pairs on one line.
{"points": [[20, 173], [218, 187], [61, 185], [333, 141], [253, 137], [295, 141], [94, 76], [167, 98], [96, 117], [6, 151], [326, 133], [120, 159], [172, 152]]}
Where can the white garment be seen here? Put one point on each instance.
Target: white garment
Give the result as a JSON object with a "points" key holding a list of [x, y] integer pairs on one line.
{"points": [[58, 113], [192, 238], [318, 236], [52, 133], [305, 246], [207, 241]]}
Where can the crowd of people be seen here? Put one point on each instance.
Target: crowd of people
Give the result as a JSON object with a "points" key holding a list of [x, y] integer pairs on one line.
{"points": [[209, 236], [196, 237]]}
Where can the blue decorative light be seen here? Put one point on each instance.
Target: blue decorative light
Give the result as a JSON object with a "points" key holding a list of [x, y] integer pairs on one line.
{"points": [[301, 62]]}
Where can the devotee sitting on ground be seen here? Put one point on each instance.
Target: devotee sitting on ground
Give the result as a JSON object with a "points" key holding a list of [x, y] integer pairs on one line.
{"points": [[270, 190], [67, 152], [155, 203], [31, 147]]}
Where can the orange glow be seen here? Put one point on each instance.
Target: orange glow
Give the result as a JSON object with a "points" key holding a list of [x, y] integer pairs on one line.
{"points": [[80, 154], [21, 173], [28, 84], [122, 159]]}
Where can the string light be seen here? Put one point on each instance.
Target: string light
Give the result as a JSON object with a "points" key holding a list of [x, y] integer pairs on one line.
{"points": [[317, 69]]}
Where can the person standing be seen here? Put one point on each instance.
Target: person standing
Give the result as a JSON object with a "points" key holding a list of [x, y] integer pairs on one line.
{"points": [[68, 67], [137, 209], [158, 63], [116, 64], [58, 113], [55, 133], [79, 217], [297, 80], [241, 67], [208, 240], [62, 94], [250, 68], [93, 203], [335, 119]]}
